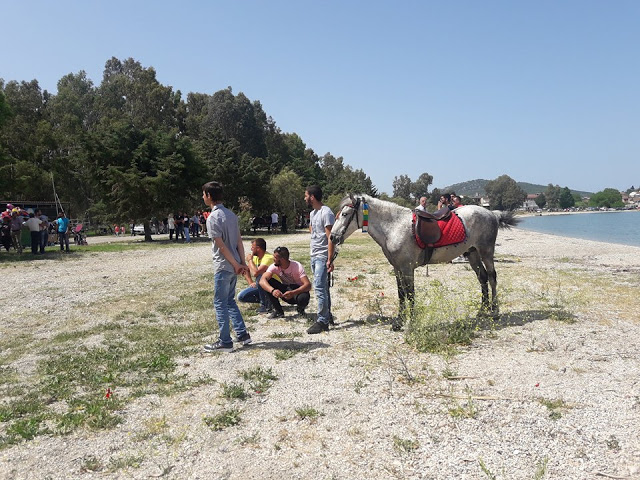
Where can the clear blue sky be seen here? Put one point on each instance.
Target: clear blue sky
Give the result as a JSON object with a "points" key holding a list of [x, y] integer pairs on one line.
{"points": [[543, 91]]}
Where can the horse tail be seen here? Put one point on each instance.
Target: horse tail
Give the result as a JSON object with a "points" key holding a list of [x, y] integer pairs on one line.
{"points": [[506, 219]]}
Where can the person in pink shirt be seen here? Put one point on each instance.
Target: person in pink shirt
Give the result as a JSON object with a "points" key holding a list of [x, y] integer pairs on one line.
{"points": [[293, 288]]}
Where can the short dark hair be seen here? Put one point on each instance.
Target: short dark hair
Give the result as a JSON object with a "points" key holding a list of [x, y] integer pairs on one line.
{"points": [[316, 191], [260, 243], [214, 189], [283, 252]]}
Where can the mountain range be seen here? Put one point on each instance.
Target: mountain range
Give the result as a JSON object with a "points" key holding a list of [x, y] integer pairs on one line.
{"points": [[476, 187]]}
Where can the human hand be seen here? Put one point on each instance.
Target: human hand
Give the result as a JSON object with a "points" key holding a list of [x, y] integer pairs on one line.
{"points": [[329, 266], [252, 284], [287, 295]]}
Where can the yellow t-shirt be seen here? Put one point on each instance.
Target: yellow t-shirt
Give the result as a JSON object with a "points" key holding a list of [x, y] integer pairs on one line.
{"points": [[267, 259]]}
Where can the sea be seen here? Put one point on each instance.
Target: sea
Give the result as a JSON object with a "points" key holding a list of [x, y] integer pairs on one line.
{"points": [[621, 227]]}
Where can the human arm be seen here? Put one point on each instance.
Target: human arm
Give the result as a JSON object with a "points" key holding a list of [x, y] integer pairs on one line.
{"points": [[331, 249], [305, 287], [226, 253], [264, 281]]}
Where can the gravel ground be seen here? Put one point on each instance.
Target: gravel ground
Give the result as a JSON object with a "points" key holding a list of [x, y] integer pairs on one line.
{"points": [[384, 410]]}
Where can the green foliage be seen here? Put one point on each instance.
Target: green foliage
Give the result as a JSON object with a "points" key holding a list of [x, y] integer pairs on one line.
{"points": [[541, 200], [131, 148], [287, 193], [442, 320], [233, 391], [341, 180], [608, 198], [566, 198], [307, 412], [225, 419], [405, 445], [402, 188], [504, 193]]}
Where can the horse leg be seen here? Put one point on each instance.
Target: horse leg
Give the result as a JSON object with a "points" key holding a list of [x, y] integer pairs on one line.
{"points": [[406, 294], [493, 282], [481, 274]]}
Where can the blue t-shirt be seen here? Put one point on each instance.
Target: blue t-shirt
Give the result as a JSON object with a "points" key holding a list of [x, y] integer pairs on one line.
{"points": [[63, 224]]}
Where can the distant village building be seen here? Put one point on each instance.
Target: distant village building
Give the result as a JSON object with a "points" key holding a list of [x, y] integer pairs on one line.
{"points": [[632, 199], [530, 202]]}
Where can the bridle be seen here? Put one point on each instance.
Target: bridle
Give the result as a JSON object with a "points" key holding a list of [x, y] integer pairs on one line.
{"points": [[355, 205]]}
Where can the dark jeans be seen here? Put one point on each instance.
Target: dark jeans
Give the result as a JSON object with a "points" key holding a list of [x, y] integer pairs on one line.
{"points": [[44, 238], [63, 237], [171, 232], [301, 299], [35, 241]]}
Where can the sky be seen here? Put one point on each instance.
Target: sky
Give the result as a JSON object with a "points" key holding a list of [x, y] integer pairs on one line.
{"points": [[544, 91]]}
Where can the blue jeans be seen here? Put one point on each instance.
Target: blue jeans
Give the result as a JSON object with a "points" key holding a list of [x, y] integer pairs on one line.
{"points": [[225, 306], [321, 287], [186, 232], [254, 294]]}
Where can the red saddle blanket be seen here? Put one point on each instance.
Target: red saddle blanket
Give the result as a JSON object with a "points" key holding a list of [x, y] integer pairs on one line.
{"points": [[452, 230]]}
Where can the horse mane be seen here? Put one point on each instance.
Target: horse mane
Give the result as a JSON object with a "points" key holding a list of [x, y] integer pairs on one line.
{"points": [[376, 203]]}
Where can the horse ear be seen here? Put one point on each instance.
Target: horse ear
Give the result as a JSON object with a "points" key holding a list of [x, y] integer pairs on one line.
{"points": [[353, 200]]}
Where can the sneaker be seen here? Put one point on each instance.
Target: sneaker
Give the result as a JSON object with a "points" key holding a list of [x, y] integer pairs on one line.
{"points": [[245, 338], [276, 315], [301, 313], [218, 347], [318, 327], [263, 309]]}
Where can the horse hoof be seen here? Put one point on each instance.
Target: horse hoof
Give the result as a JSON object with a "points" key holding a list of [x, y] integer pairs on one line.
{"points": [[396, 326]]}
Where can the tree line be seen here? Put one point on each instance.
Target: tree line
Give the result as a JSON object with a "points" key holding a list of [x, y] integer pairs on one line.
{"points": [[132, 148]]}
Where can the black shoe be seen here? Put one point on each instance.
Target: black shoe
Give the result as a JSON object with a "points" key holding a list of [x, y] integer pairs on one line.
{"points": [[331, 321], [301, 313], [318, 327], [245, 338], [276, 315], [218, 347]]}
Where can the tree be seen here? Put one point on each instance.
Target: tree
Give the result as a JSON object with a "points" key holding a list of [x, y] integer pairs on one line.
{"points": [[552, 194], [402, 188], [420, 187], [541, 200], [287, 194], [27, 143], [504, 193], [608, 198], [566, 198], [341, 179]]}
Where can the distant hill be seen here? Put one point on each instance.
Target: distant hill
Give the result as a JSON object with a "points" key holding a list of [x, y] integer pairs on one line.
{"points": [[473, 187]]}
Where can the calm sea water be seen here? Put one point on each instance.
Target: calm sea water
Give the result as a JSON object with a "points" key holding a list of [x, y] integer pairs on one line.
{"points": [[613, 227]]}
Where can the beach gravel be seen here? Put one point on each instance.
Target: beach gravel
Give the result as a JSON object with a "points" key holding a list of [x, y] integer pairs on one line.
{"points": [[536, 396]]}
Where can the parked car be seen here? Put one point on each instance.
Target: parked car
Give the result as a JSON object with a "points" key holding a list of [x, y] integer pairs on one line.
{"points": [[139, 229]]}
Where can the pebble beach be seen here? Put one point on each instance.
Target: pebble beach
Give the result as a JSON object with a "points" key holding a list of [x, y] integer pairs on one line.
{"points": [[533, 397]]}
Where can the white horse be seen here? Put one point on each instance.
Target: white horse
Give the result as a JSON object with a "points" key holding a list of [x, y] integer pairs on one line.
{"points": [[390, 225]]}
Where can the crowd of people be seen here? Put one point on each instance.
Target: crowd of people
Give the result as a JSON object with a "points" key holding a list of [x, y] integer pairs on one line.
{"points": [[42, 232]]}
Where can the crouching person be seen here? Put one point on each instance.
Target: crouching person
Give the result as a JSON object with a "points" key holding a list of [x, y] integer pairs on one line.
{"points": [[293, 287]]}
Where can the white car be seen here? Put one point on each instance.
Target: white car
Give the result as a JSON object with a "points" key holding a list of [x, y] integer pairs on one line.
{"points": [[139, 229]]}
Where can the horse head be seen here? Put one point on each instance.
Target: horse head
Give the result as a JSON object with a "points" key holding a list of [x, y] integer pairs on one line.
{"points": [[339, 231]]}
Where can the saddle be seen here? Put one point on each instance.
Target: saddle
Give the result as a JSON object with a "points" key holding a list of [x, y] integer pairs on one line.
{"points": [[437, 229], [426, 227]]}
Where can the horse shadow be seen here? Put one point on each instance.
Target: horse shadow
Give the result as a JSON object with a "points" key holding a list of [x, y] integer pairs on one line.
{"points": [[479, 322], [523, 317]]}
